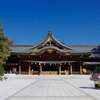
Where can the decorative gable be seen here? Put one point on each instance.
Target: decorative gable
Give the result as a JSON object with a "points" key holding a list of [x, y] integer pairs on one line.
{"points": [[50, 44]]}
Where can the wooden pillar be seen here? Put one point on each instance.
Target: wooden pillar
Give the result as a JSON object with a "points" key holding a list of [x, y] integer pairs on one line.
{"points": [[19, 69], [59, 69], [80, 68], [14, 70], [71, 69], [29, 69], [40, 70]]}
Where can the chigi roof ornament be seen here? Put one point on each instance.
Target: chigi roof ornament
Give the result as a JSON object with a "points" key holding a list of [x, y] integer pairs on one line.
{"points": [[49, 33]]}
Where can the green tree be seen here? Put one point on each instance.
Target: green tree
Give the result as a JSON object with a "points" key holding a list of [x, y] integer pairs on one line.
{"points": [[4, 50]]}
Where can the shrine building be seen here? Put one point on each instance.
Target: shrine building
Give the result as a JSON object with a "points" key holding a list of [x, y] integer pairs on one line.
{"points": [[51, 57]]}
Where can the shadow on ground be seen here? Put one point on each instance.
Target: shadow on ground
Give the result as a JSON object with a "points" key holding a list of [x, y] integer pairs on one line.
{"points": [[88, 87]]}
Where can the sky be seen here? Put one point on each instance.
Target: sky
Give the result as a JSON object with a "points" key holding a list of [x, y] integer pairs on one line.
{"points": [[71, 21]]}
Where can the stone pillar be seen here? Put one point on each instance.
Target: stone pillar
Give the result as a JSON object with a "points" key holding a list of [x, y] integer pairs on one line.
{"points": [[40, 70], [59, 69], [19, 69], [71, 68], [29, 69]]}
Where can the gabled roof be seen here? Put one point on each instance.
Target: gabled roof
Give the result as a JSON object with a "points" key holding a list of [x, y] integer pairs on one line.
{"points": [[52, 43]]}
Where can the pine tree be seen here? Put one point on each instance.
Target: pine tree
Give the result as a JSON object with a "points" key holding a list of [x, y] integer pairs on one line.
{"points": [[4, 50]]}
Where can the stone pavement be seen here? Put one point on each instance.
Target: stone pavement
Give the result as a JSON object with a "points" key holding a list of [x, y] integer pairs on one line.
{"points": [[13, 84], [54, 88]]}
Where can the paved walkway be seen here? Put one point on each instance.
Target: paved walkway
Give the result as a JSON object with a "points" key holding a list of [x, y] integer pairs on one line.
{"points": [[52, 88]]}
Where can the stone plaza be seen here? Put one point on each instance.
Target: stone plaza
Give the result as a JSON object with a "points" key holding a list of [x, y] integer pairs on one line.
{"points": [[47, 87]]}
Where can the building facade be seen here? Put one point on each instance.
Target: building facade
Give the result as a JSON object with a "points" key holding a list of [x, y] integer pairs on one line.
{"points": [[51, 57]]}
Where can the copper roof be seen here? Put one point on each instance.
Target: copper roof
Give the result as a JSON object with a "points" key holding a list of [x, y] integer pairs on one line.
{"points": [[52, 42]]}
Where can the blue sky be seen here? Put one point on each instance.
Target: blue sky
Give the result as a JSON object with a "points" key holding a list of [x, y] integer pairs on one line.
{"points": [[71, 21]]}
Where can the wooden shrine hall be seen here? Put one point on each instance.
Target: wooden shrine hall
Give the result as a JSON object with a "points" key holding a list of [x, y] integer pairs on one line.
{"points": [[51, 57]]}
